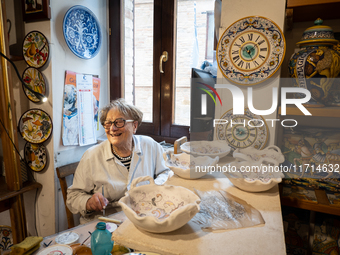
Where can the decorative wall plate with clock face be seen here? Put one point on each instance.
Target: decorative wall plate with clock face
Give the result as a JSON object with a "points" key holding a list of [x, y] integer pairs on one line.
{"points": [[242, 131], [251, 50]]}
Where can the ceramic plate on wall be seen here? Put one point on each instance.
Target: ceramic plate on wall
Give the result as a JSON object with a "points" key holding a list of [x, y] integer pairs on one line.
{"points": [[35, 126], [243, 130], [6, 239], [35, 156], [58, 249], [82, 32], [35, 49], [35, 80]]}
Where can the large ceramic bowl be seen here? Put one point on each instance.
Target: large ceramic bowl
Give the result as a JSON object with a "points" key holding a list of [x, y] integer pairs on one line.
{"points": [[253, 176], [206, 148], [248, 154], [188, 166], [159, 208]]}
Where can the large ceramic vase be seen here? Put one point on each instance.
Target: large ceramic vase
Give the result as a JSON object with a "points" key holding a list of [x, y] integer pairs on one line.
{"points": [[316, 65]]}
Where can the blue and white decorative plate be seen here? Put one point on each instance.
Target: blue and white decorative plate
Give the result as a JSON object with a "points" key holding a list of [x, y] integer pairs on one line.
{"points": [[82, 32]]}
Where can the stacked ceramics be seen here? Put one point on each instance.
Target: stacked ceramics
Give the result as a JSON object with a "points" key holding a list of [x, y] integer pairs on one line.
{"points": [[316, 66]]}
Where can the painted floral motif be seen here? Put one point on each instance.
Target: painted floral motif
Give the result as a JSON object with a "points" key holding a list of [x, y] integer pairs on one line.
{"points": [[206, 148], [82, 32], [35, 49], [6, 240], [157, 205], [35, 126], [34, 79], [35, 156]]}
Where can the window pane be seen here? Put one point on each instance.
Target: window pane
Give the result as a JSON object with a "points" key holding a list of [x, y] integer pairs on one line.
{"points": [[193, 46], [139, 55]]}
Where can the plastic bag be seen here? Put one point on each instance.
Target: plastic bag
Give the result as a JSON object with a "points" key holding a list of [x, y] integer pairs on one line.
{"points": [[220, 210]]}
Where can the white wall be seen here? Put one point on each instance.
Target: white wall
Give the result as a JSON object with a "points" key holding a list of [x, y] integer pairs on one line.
{"points": [[64, 59], [49, 200]]}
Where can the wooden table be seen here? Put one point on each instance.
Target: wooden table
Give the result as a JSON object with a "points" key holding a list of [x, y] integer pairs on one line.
{"points": [[81, 230], [263, 239]]}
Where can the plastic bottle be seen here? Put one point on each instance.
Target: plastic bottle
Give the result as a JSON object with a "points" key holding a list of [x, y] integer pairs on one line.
{"points": [[101, 243]]}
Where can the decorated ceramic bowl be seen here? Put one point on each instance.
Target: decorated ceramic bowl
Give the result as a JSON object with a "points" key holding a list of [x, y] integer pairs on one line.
{"points": [[254, 176], [272, 152], [159, 208], [188, 166], [206, 148]]}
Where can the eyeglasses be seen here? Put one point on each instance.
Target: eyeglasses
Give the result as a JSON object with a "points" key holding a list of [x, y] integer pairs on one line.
{"points": [[119, 123]]}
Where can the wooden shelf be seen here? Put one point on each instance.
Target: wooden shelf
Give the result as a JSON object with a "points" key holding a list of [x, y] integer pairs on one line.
{"points": [[310, 10], [296, 3], [316, 112], [6, 194], [16, 58], [322, 205]]}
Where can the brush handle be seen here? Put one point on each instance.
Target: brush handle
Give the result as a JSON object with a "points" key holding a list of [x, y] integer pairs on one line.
{"points": [[109, 220]]}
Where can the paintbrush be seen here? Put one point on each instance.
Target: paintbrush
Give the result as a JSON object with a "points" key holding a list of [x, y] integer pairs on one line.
{"points": [[104, 198]]}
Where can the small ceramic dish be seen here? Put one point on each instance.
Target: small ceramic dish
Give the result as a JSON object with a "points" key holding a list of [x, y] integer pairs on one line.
{"points": [[82, 250], [254, 176], [57, 249], [67, 238], [119, 249], [188, 166], [250, 153], [111, 227], [159, 208], [206, 148]]}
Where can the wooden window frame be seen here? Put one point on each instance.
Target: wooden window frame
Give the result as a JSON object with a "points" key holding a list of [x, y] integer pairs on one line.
{"points": [[162, 127]]}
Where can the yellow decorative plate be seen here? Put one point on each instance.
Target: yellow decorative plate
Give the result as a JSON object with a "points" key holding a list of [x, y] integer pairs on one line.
{"points": [[35, 49], [35, 156], [35, 126], [34, 79]]}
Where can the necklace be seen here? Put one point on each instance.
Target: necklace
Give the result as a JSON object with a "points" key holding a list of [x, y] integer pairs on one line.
{"points": [[119, 157]]}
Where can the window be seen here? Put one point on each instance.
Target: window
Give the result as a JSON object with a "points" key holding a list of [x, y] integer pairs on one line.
{"points": [[182, 28]]}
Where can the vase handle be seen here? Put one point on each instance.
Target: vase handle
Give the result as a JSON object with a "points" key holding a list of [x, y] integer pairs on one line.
{"points": [[142, 179]]}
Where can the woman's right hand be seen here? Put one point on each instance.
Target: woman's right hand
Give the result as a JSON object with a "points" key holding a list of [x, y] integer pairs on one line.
{"points": [[96, 203]]}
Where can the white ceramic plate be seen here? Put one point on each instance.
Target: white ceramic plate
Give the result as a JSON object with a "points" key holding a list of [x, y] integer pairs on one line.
{"points": [[58, 249], [206, 148], [67, 238], [111, 227]]}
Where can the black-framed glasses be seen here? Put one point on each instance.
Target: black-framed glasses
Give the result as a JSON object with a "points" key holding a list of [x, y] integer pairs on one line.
{"points": [[119, 123]]}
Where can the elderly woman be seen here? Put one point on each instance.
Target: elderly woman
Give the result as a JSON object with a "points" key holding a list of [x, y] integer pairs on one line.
{"points": [[114, 163]]}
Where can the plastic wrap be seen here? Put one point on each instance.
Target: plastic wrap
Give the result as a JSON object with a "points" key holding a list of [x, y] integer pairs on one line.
{"points": [[220, 210]]}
